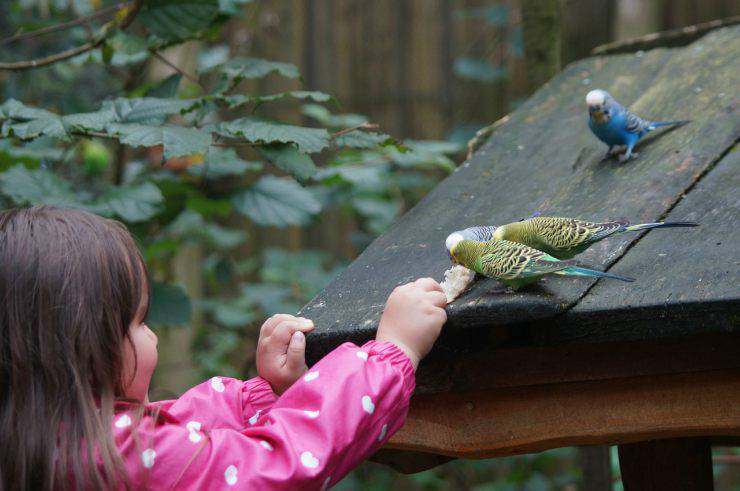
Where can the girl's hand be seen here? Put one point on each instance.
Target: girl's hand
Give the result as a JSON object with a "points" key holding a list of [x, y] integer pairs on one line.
{"points": [[413, 318], [281, 350]]}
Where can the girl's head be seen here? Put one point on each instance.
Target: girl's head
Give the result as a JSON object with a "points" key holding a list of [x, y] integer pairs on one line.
{"points": [[74, 297]]}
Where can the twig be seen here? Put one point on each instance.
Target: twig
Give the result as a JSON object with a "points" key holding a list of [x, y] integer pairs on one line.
{"points": [[363, 126], [179, 70], [103, 33], [482, 133], [675, 37], [21, 36]]}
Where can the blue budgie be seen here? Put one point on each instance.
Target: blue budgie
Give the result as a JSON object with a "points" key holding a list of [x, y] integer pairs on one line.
{"points": [[615, 125]]}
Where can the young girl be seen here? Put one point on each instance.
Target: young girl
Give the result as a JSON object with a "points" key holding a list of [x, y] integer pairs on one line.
{"points": [[76, 359]]}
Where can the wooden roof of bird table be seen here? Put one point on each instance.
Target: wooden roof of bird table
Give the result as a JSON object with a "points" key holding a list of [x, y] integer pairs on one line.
{"points": [[572, 360]]}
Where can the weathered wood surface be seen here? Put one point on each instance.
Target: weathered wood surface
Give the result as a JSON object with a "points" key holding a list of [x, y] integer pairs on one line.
{"points": [[545, 159], [515, 420]]}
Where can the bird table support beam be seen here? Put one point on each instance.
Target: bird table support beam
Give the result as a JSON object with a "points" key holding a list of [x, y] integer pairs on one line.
{"points": [[681, 464]]}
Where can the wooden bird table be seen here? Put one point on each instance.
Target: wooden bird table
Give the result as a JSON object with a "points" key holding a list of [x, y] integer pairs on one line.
{"points": [[652, 366]]}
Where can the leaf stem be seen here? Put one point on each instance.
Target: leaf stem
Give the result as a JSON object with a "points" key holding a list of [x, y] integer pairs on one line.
{"points": [[105, 31], [22, 36], [179, 70], [363, 126]]}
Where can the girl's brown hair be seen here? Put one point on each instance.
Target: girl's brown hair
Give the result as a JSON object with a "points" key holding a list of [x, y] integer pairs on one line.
{"points": [[71, 284]]}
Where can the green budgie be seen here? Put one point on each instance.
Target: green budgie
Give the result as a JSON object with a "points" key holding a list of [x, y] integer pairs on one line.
{"points": [[562, 238], [515, 264]]}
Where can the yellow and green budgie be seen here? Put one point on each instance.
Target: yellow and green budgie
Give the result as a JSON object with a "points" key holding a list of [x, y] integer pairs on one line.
{"points": [[513, 263], [559, 237]]}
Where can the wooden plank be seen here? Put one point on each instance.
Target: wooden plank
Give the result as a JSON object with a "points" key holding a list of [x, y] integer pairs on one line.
{"points": [[450, 370], [683, 464], [544, 159], [692, 273], [499, 422]]}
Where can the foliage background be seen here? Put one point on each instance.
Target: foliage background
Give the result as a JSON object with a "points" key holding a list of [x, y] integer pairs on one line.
{"points": [[220, 132]]}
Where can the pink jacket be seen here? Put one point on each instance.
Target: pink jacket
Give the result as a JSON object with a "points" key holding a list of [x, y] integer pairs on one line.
{"points": [[226, 433]]}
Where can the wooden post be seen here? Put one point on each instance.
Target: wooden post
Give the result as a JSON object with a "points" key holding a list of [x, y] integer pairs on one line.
{"points": [[681, 464], [596, 467], [541, 28]]}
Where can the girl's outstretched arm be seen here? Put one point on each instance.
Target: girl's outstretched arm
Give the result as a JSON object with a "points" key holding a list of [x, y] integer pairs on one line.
{"points": [[334, 417]]}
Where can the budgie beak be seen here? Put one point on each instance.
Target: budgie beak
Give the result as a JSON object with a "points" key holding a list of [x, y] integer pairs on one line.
{"points": [[596, 102], [598, 116], [450, 243]]}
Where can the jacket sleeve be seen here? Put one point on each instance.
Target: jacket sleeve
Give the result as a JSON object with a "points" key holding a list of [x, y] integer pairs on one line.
{"points": [[334, 417], [221, 402]]}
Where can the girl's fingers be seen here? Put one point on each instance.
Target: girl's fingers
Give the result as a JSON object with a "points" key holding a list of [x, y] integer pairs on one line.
{"points": [[272, 322], [283, 331], [428, 284], [439, 299], [296, 357]]}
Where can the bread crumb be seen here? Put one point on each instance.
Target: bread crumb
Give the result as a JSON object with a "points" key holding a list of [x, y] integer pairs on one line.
{"points": [[457, 278]]}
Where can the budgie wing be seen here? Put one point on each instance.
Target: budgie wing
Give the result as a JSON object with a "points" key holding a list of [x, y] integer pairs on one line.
{"points": [[635, 124], [570, 233], [509, 260]]}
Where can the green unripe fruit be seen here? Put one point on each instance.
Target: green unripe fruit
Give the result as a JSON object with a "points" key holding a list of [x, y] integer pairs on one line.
{"points": [[95, 157]]}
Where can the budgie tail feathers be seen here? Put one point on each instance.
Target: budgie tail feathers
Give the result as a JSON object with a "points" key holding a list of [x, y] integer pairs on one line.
{"points": [[647, 226], [579, 271]]}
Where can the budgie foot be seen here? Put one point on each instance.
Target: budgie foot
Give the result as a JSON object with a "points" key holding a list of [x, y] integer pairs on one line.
{"points": [[610, 153], [627, 156]]}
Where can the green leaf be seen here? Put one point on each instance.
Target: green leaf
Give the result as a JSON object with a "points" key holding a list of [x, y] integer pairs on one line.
{"points": [[52, 127], [234, 101], [145, 110], [210, 58], [241, 68], [222, 162], [326, 118], [37, 186], [209, 206], [13, 109], [107, 53], [27, 122], [178, 19], [177, 141], [170, 305], [479, 70], [232, 7], [132, 203], [288, 158], [304, 269], [361, 139], [30, 154], [165, 88], [272, 299], [277, 201], [379, 212], [191, 225], [436, 146], [366, 175], [256, 130], [128, 44]]}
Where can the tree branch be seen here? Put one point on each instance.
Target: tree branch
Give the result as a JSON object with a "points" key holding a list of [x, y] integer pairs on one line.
{"points": [[22, 36], [179, 70], [103, 33], [363, 126]]}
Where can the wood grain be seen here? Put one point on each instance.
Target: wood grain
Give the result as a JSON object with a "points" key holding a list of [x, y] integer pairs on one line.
{"points": [[545, 159], [499, 422]]}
